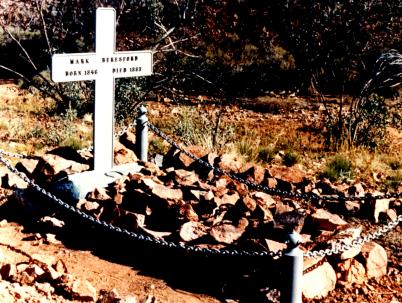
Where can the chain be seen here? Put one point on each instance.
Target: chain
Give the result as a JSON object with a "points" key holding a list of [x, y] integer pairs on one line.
{"points": [[356, 243], [259, 187], [136, 236], [120, 133], [18, 156], [339, 248]]}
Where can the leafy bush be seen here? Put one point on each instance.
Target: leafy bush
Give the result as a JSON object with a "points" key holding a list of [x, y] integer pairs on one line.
{"points": [[291, 158]]}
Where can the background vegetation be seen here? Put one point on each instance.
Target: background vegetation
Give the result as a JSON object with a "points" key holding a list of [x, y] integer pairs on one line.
{"points": [[226, 50]]}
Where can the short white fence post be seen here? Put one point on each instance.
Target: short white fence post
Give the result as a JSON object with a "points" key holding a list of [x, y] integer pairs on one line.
{"points": [[293, 263], [142, 134]]}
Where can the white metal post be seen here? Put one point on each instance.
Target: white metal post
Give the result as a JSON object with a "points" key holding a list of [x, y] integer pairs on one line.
{"points": [[142, 134], [293, 259]]}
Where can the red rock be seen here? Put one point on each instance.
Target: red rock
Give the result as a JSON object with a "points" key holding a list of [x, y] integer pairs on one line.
{"points": [[204, 172], [188, 213], [248, 203], [264, 199], [128, 140], [346, 235], [289, 174], [34, 271], [123, 155], [375, 258], [88, 207], [230, 163], [60, 266], [129, 220], [350, 271], [271, 182], [228, 233], [263, 213], [151, 169], [185, 178], [83, 291], [27, 166], [319, 279], [192, 230], [327, 221], [231, 199], [275, 246], [254, 174], [166, 193], [50, 165], [98, 194]]}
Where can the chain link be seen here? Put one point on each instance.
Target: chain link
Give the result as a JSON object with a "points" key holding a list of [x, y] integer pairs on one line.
{"points": [[136, 236], [120, 133], [17, 156], [338, 248], [272, 191], [356, 243]]}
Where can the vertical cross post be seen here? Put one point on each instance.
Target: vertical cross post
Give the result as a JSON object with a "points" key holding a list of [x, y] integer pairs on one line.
{"points": [[104, 92], [293, 263]]}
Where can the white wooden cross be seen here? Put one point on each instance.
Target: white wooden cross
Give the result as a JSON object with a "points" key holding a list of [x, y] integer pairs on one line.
{"points": [[103, 66]]}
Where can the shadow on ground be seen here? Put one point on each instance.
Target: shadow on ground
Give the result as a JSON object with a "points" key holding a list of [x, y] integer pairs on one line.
{"points": [[244, 279]]}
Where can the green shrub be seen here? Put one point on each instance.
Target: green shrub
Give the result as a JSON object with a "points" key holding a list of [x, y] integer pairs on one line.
{"points": [[245, 148], [394, 181], [265, 154], [291, 158], [339, 167]]}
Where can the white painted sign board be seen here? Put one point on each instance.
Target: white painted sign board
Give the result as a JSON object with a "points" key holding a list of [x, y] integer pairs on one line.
{"points": [[103, 66]]}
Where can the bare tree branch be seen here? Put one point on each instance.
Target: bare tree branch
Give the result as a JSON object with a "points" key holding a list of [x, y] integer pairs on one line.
{"points": [[44, 26], [21, 47]]}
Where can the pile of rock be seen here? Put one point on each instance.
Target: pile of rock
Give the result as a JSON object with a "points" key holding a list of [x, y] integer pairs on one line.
{"points": [[187, 202]]}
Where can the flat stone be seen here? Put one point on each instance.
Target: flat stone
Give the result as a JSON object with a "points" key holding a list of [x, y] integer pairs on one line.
{"points": [[192, 230], [228, 233], [327, 221], [319, 280], [123, 155], [275, 246], [380, 206], [264, 199], [83, 291], [229, 198], [230, 163], [188, 213], [375, 258], [85, 182], [350, 271], [185, 178], [289, 174], [248, 203], [166, 193]]}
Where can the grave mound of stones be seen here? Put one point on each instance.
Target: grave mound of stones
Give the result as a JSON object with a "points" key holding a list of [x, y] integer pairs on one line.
{"points": [[186, 202]]}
